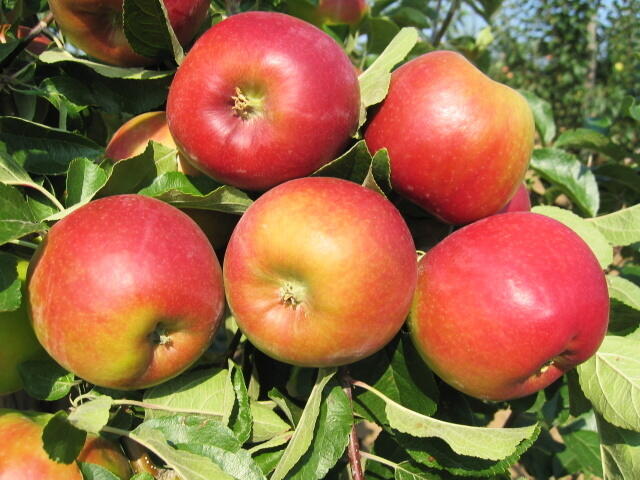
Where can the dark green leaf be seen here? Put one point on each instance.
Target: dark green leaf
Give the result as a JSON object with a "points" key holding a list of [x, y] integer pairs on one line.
{"points": [[352, 165], [45, 379], [10, 284], [591, 140], [61, 440], [380, 31], [268, 460], [84, 180]]}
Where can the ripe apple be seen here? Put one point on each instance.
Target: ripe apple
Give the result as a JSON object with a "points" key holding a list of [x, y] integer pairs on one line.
{"points": [[125, 292], [506, 305], [38, 45], [96, 26], [19, 343], [459, 143], [24, 458], [262, 98], [520, 201], [348, 12], [320, 272]]}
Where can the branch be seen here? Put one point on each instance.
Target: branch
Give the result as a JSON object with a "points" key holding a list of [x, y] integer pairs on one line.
{"points": [[24, 43], [455, 4], [353, 449]]}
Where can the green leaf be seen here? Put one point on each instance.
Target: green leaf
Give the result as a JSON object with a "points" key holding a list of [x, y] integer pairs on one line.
{"points": [[142, 476], [10, 284], [241, 420], [624, 175], [148, 30], [84, 180], [590, 140], [620, 451], [380, 31], [374, 82], [266, 423], [572, 177], [290, 409], [92, 416], [410, 471], [41, 149], [45, 379], [192, 428], [353, 165], [12, 173], [582, 449], [624, 291], [61, 440], [330, 437], [187, 465], [91, 471], [238, 464], [55, 55], [585, 229], [543, 116], [611, 381], [16, 218], [620, 228], [303, 436], [203, 392], [176, 188]]}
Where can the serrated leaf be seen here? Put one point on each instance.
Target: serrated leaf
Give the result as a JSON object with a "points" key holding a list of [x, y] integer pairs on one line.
{"points": [[187, 465], [92, 416], [241, 420], [303, 434], [330, 437], [10, 284], [238, 464], [410, 471], [624, 291], [57, 55], [620, 451], [352, 165], [582, 449], [61, 440], [84, 180], [374, 82], [148, 30], [572, 177], [176, 189], [91, 471], [591, 235], [591, 140], [543, 116], [204, 392], [45, 379], [611, 381], [266, 423], [195, 429], [16, 218], [620, 228]]}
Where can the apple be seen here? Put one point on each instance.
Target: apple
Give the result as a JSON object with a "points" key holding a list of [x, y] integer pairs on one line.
{"points": [[24, 458], [38, 45], [125, 292], [320, 272], [520, 201], [348, 12], [19, 343], [506, 305], [459, 143], [262, 98], [96, 27]]}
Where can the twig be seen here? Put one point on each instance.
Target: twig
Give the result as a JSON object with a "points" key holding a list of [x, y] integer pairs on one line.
{"points": [[33, 33], [353, 449], [445, 24], [24, 243]]}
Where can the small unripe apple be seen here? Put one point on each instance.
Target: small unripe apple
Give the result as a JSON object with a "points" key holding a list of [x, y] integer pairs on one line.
{"points": [[320, 272], [262, 98], [459, 143], [520, 202], [24, 458], [19, 343], [125, 292], [96, 26], [506, 305]]}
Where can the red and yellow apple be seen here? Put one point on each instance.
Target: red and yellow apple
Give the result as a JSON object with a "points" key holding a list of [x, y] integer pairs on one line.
{"points": [[262, 98], [19, 343], [96, 26], [520, 202], [459, 143], [348, 12], [24, 458], [506, 305], [320, 272], [125, 292]]}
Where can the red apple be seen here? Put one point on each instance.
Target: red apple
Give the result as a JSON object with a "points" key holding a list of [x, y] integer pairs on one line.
{"points": [[96, 27], [19, 343], [520, 201], [459, 143], [320, 272], [24, 458], [125, 292], [348, 12], [506, 305], [262, 98], [38, 45]]}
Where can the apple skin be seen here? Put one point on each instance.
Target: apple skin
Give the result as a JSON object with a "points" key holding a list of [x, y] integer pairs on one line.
{"points": [[19, 343], [348, 12], [141, 277], [459, 143], [23, 457], [520, 201], [38, 45], [262, 98], [506, 305], [95, 26], [320, 272]]}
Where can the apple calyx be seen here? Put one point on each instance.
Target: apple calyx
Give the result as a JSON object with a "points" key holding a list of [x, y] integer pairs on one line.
{"points": [[160, 335], [292, 295], [246, 106]]}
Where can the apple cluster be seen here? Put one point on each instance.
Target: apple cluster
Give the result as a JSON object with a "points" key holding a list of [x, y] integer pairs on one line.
{"points": [[318, 271]]}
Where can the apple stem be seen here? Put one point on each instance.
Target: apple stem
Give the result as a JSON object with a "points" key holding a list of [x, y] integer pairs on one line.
{"points": [[353, 449]]}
